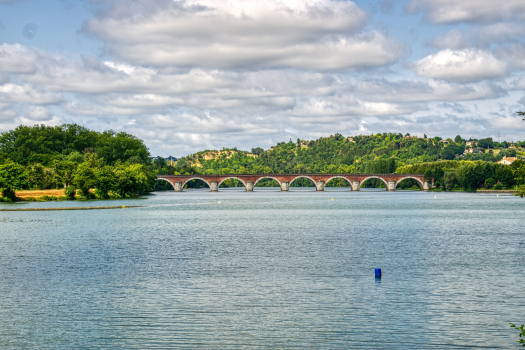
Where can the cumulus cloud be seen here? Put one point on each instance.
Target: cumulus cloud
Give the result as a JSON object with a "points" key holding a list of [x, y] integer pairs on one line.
{"points": [[515, 54], [472, 11], [453, 40], [10, 92], [38, 113], [460, 65], [247, 34]]}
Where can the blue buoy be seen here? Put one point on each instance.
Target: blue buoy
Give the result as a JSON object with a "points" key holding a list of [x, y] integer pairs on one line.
{"points": [[378, 272]]}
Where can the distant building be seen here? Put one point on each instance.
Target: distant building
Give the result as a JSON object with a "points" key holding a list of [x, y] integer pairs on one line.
{"points": [[351, 139], [507, 160], [469, 150], [444, 141], [469, 143]]}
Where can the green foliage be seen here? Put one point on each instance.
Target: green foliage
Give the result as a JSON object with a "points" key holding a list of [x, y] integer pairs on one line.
{"points": [[70, 192], [42, 144], [451, 180], [471, 175], [521, 340], [37, 177], [489, 183], [12, 177], [518, 170]]}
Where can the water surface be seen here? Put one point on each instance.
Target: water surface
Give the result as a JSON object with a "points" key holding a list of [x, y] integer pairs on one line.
{"points": [[266, 269]]}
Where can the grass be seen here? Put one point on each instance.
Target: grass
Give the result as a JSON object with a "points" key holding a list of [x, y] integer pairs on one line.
{"points": [[37, 194]]}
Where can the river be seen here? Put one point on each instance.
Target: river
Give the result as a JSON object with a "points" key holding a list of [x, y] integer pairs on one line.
{"points": [[266, 269]]}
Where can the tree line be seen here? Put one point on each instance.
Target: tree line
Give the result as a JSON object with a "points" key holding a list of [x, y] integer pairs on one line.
{"points": [[108, 164], [74, 158]]}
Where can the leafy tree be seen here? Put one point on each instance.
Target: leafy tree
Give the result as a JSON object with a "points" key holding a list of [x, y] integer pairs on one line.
{"points": [[64, 171], [257, 150], [12, 177], [451, 180], [489, 183], [37, 177], [485, 143]]}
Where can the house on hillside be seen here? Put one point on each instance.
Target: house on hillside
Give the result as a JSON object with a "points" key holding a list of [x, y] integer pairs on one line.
{"points": [[468, 144], [351, 139], [507, 160], [469, 150], [444, 142]]}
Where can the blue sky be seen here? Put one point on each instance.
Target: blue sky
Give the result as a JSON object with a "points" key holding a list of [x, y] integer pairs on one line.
{"points": [[188, 75]]}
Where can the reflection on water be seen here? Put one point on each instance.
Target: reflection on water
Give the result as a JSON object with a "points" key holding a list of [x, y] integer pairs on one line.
{"points": [[265, 269]]}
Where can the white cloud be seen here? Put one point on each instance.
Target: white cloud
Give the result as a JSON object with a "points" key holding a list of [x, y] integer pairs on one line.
{"points": [[247, 34], [514, 54], [38, 113], [452, 40], [460, 66], [10, 92], [17, 58], [474, 11]]}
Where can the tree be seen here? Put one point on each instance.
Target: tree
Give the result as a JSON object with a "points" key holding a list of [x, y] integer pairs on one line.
{"points": [[12, 177], [451, 180], [489, 183], [485, 143], [64, 171], [37, 177], [85, 176], [257, 150]]}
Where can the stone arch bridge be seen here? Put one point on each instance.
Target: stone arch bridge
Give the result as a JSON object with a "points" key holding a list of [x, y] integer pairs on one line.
{"points": [[285, 180]]}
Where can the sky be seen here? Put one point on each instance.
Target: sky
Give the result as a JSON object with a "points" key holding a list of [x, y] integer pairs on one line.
{"points": [[190, 75]]}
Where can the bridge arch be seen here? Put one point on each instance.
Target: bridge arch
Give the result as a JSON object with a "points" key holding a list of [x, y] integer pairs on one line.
{"points": [[373, 177], [302, 176], [161, 178], [195, 178], [340, 177], [266, 177], [413, 178], [232, 177]]}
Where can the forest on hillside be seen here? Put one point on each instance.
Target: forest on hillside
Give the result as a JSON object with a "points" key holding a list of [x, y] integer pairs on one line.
{"points": [[379, 153]]}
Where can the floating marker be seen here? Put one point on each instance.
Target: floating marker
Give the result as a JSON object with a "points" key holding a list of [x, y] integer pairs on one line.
{"points": [[435, 196], [123, 206], [332, 199], [219, 202], [378, 272]]}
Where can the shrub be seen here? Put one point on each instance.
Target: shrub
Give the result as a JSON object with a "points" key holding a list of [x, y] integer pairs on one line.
{"points": [[498, 186], [489, 182], [48, 198], [70, 192]]}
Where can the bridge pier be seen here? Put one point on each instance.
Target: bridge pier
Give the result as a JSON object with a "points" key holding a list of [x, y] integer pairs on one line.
{"points": [[391, 186], [249, 186], [214, 186], [319, 186], [178, 186], [285, 186], [426, 186], [355, 186]]}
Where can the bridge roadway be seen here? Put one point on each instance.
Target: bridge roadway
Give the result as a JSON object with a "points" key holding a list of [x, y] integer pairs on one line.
{"points": [[285, 180]]}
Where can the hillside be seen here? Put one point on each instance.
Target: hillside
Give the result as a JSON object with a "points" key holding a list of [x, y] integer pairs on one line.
{"points": [[380, 153]]}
